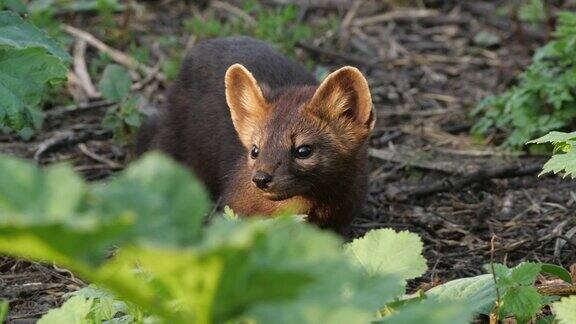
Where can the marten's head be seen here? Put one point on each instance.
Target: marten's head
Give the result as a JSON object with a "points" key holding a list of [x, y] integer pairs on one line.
{"points": [[299, 139]]}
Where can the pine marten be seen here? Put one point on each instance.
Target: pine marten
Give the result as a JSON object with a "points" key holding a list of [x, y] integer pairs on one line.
{"points": [[264, 136]]}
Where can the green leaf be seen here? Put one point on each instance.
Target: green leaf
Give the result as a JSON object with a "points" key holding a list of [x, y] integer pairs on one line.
{"points": [[533, 12], [554, 138], [525, 273], [387, 252], [19, 34], [279, 270], [479, 292], [115, 83], [3, 310], [41, 218], [14, 5], [74, 310], [557, 271], [23, 76], [431, 313], [565, 310], [523, 302], [169, 201], [561, 162]]}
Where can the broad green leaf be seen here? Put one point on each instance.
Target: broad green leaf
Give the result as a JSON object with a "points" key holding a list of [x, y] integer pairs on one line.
{"points": [[169, 202], [52, 215], [431, 313], [19, 34], [557, 271], [74, 310], [565, 310], [523, 302], [565, 162], [479, 292], [554, 138], [387, 252], [41, 216], [3, 310], [115, 83], [277, 270], [14, 5], [23, 75], [273, 270], [525, 273]]}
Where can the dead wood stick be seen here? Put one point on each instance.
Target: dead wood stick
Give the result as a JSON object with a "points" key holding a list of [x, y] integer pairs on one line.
{"points": [[98, 158], [413, 160], [557, 289], [459, 182], [114, 54], [313, 3], [360, 61], [396, 15], [82, 71], [224, 6]]}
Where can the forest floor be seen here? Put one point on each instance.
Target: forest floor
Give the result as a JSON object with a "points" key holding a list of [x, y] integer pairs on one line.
{"points": [[427, 67]]}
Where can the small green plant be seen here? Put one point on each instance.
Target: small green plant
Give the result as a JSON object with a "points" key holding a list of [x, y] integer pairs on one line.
{"points": [[564, 154], [29, 62], [533, 11], [544, 99], [169, 269], [518, 296], [3, 310], [124, 118], [565, 310], [278, 26], [276, 270]]}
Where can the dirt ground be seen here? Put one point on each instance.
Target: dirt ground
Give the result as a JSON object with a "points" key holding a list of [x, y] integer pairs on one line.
{"points": [[427, 69]]}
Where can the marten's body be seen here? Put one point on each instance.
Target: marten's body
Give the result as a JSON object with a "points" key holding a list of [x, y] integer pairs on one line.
{"points": [[257, 129]]}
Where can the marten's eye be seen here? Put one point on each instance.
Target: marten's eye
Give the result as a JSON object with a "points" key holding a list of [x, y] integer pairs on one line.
{"points": [[254, 152], [303, 152]]}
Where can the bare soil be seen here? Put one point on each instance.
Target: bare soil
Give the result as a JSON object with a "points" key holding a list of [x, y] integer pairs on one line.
{"points": [[427, 69]]}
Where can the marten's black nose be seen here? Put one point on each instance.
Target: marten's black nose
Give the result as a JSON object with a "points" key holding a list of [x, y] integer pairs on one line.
{"points": [[262, 179]]}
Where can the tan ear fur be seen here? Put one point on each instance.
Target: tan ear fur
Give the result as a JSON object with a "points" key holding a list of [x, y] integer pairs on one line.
{"points": [[344, 93], [247, 104]]}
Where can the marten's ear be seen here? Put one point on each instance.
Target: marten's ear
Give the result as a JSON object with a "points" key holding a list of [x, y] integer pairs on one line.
{"points": [[246, 101], [344, 94]]}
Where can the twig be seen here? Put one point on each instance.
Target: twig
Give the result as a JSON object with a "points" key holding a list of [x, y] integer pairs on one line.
{"points": [[83, 77], [396, 15], [313, 3], [413, 160], [235, 11], [347, 22], [346, 57], [67, 137], [58, 111], [560, 289], [53, 142], [455, 183], [114, 54], [495, 314], [113, 165]]}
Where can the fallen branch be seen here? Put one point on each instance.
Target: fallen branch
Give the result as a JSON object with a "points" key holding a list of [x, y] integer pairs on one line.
{"points": [[114, 54], [360, 61], [224, 6], [81, 70], [98, 158], [459, 182], [414, 161], [406, 14]]}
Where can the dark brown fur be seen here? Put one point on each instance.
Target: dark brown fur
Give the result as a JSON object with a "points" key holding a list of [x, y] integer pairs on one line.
{"points": [[196, 129]]}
